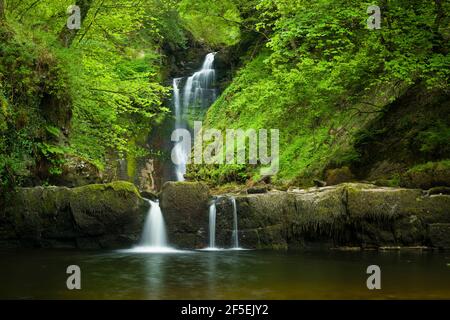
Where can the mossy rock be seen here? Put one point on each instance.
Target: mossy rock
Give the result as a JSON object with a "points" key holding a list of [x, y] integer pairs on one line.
{"points": [[262, 210], [100, 210], [185, 206], [106, 216], [272, 237], [77, 172], [381, 203], [338, 176], [440, 235], [427, 176], [316, 207], [350, 214]]}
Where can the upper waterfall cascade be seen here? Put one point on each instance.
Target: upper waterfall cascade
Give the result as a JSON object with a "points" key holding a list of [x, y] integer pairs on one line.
{"points": [[198, 92]]}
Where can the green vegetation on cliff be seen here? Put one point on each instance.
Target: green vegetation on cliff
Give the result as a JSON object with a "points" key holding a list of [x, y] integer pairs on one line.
{"points": [[78, 94], [336, 89], [350, 102]]}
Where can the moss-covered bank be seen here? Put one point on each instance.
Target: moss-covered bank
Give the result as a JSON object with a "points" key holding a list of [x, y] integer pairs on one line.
{"points": [[93, 216]]}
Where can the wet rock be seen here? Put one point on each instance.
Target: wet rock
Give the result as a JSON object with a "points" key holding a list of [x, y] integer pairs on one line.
{"points": [[338, 176], [150, 195], [434, 176], [386, 216], [319, 183], [265, 179], [438, 191], [257, 190], [433, 209], [106, 216], [224, 221], [440, 235], [185, 206], [352, 214]]}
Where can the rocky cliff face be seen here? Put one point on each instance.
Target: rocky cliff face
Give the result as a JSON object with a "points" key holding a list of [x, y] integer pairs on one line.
{"points": [[112, 216], [347, 215], [94, 216], [354, 215]]}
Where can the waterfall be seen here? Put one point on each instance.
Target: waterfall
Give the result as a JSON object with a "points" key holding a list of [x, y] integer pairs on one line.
{"points": [[198, 92], [154, 238], [154, 234], [177, 102], [212, 225], [180, 153], [235, 234]]}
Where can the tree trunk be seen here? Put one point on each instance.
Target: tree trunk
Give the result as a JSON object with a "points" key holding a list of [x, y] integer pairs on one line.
{"points": [[438, 38], [2, 11], [66, 36]]}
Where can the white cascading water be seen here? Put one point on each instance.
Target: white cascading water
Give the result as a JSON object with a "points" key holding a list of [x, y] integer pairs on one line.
{"points": [[179, 149], [212, 225], [154, 238], [235, 234], [154, 234], [198, 92]]}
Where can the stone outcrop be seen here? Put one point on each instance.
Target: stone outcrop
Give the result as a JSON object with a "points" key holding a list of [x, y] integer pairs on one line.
{"points": [[93, 216], [185, 208], [112, 216], [346, 215]]}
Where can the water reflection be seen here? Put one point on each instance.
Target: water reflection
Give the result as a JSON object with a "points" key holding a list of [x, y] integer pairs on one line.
{"points": [[211, 278], [154, 271], [40, 274]]}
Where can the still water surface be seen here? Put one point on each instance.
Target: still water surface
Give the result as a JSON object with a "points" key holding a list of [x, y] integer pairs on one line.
{"points": [[41, 274]]}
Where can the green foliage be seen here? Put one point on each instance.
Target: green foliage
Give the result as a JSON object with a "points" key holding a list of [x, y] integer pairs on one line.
{"points": [[434, 142], [23, 65], [324, 75], [314, 71], [435, 166], [89, 100], [216, 23]]}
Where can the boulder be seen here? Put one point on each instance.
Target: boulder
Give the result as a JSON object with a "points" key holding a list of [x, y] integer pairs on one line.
{"points": [[77, 172], [319, 217], [338, 176], [93, 216], [185, 206], [439, 191], [434, 175], [257, 216], [257, 190], [440, 235]]}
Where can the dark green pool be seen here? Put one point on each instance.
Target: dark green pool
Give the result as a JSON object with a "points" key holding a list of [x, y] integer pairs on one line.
{"points": [[41, 274]]}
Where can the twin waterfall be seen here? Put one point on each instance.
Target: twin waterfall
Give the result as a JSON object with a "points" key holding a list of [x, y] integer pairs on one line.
{"points": [[235, 225], [179, 149], [198, 92], [212, 226]]}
